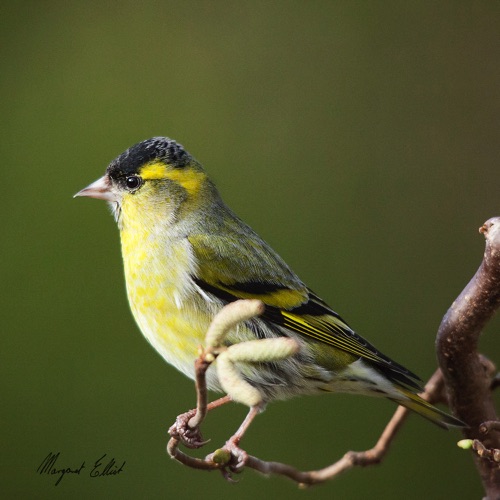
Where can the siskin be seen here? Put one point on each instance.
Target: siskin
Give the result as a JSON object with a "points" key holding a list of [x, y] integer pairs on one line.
{"points": [[186, 255]]}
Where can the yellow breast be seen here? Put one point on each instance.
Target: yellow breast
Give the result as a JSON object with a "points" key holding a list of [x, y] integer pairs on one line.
{"points": [[164, 302]]}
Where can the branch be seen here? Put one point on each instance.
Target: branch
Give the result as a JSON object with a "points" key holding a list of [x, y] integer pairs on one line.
{"points": [[433, 393], [469, 376]]}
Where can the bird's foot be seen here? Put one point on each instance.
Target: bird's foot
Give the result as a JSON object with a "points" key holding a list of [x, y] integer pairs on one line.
{"points": [[189, 436], [230, 458]]}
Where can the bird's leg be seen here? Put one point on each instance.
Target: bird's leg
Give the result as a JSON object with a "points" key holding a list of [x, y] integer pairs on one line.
{"points": [[235, 439], [232, 444]]}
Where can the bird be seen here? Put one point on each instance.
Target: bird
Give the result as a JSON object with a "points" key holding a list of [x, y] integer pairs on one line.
{"points": [[186, 255]]}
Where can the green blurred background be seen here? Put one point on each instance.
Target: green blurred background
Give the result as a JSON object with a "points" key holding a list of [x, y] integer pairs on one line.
{"points": [[359, 138]]}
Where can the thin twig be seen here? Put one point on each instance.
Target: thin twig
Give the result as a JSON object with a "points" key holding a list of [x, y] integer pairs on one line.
{"points": [[195, 463], [433, 393], [490, 425], [490, 454]]}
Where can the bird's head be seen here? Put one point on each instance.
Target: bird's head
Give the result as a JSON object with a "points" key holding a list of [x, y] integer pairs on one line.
{"points": [[154, 178]]}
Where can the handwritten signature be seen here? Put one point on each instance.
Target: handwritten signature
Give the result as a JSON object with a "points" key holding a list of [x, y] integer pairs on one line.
{"points": [[102, 467]]}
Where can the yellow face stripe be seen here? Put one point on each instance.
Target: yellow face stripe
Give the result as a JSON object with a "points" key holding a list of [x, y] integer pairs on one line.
{"points": [[189, 178], [151, 171]]}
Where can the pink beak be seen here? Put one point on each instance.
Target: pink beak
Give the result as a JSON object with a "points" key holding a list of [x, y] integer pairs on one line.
{"points": [[100, 189]]}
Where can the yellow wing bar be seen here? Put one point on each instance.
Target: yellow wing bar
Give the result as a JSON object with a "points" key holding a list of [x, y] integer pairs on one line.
{"points": [[330, 332]]}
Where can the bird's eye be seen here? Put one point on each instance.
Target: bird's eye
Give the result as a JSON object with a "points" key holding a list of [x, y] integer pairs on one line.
{"points": [[133, 182]]}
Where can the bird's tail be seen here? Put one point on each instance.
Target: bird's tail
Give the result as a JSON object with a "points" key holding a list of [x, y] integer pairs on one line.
{"points": [[430, 412]]}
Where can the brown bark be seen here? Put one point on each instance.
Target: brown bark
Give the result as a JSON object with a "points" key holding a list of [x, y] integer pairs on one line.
{"points": [[468, 375]]}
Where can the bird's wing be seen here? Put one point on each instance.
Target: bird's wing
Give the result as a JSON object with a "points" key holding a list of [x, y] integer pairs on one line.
{"points": [[243, 267], [229, 272]]}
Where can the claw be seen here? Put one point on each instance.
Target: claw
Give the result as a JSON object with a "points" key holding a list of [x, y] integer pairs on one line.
{"points": [[228, 476], [189, 436], [239, 457]]}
